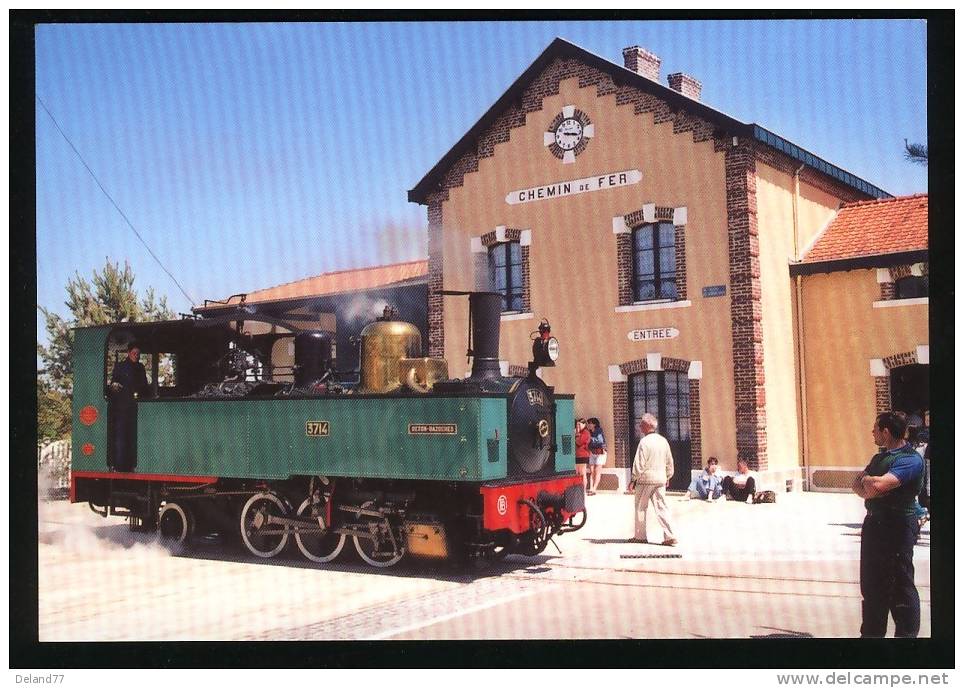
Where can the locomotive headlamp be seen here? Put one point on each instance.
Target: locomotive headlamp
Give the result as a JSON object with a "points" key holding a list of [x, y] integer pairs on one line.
{"points": [[545, 347]]}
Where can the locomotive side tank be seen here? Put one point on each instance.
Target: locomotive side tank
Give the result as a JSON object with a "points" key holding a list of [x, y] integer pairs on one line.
{"points": [[401, 463]]}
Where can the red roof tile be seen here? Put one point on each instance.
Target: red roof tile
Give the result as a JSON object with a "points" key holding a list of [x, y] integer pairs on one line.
{"points": [[872, 228], [338, 282]]}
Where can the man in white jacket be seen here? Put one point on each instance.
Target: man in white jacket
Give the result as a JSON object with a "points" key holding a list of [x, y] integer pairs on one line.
{"points": [[652, 470]]}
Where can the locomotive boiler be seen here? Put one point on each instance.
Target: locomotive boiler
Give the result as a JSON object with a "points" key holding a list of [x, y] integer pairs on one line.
{"points": [[249, 429]]}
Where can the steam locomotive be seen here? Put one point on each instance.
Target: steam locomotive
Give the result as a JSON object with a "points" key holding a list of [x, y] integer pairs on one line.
{"points": [[249, 429]]}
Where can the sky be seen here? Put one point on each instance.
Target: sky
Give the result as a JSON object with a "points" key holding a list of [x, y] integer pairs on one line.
{"points": [[250, 155]]}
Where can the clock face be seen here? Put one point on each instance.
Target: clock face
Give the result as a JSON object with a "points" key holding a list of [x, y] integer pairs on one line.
{"points": [[569, 133]]}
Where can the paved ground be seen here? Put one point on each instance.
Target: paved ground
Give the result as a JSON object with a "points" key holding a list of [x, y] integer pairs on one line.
{"points": [[767, 570]]}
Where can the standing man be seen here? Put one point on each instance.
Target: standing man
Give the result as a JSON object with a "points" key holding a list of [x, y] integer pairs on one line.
{"points": [[127, 383], [652, 470], [889, 485]]}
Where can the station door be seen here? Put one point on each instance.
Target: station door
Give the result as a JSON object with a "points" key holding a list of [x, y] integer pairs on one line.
{"points": [[665, 394]]}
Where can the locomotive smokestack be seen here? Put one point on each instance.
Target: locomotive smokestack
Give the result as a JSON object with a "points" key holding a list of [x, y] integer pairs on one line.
{"points": [[485, 311]]}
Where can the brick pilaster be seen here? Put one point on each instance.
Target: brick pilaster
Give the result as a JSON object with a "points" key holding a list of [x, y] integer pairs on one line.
{"points": [[680, 246], [526, 293], [624, 268], [696, 431], [621, 424], [436, 316], [746, 310], [882, 393]]}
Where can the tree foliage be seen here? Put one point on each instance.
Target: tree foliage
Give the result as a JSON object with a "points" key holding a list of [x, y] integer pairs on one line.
{"points": [[915, 152], [109, 296]]}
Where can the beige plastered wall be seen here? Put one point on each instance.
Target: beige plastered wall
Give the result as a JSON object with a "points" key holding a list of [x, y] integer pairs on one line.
{"points": [[815, 208], [843, 332], [573, 256]]}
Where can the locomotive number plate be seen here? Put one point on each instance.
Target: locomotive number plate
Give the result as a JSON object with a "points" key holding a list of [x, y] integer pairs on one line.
{"points": [[316, 428], [536, 397], [433, 429]]}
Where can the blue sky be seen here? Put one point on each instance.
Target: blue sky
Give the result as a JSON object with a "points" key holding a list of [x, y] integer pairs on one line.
{"points": [[249, 155]]}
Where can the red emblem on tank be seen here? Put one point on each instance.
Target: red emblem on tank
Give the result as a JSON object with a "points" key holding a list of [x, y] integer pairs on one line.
{"points": [[88, 449], [88, 415]]}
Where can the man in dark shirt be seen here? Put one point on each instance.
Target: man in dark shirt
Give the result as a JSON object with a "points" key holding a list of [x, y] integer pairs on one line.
{"points": [[889, 485], [127, 383]]}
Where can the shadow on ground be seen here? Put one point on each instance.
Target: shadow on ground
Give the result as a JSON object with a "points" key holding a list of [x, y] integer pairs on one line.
{"points": [[228, 548]]}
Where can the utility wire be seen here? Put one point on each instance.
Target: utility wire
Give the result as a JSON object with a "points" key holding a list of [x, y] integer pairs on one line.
{"points": [[109, 198]]}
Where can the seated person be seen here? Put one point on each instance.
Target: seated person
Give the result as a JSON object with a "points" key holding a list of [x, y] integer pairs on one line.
{"points": [[741, 485], [707, 485]]}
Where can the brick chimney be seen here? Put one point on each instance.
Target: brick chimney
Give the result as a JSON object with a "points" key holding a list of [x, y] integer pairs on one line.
{"points": [[685, 84], [642, 62]]}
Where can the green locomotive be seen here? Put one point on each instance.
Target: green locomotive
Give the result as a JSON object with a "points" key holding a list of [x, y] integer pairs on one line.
{"points": [[245, 427]]}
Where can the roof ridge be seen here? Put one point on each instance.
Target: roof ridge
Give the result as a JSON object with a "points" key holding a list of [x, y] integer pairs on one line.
{"points": [[884, 200], [339, 272], [561, 48]]}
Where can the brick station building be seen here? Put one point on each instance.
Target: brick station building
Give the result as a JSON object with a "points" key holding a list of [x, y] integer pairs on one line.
{"points": [[655, 234]]}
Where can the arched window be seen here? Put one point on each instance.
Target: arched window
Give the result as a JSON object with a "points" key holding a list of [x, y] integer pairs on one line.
{"points": [[911, 287], [654, 262]]}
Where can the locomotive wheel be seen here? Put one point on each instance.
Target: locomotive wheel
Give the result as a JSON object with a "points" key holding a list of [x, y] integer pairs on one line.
{"points": [[320, 547], [175, 524], [369, 549], [261, 538]]}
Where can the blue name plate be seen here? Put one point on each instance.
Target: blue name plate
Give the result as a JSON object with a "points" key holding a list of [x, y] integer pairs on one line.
{"points": [[715, 290]]}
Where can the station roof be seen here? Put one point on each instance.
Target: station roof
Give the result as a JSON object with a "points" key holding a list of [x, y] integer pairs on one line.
{"points": [[878, 232], [331, 283], [563, 48]]}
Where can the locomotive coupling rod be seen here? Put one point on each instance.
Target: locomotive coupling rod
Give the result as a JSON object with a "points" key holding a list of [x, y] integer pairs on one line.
{"points": [[359, 510], [364, 534], [293, 524]]}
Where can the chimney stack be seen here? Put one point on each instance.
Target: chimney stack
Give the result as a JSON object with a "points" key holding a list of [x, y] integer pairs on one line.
{"points": [[641, 61], [685, 84]]}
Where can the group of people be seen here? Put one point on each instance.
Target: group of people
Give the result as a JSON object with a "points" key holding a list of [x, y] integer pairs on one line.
{"points": [[652, 470], [741, 486], [590, 452]]}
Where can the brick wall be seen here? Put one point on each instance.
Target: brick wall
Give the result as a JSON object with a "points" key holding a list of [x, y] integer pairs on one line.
{"points": [[547, 84], [746, 309]]}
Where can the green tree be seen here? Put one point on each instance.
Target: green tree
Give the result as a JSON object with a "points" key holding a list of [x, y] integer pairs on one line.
{"points": [[109, 296]]}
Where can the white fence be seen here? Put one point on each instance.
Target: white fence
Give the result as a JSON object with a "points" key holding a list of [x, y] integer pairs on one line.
{"points": [[53, 464]]}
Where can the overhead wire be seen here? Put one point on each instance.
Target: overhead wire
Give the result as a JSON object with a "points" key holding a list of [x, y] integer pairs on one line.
{"points": [[111, 199]]}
